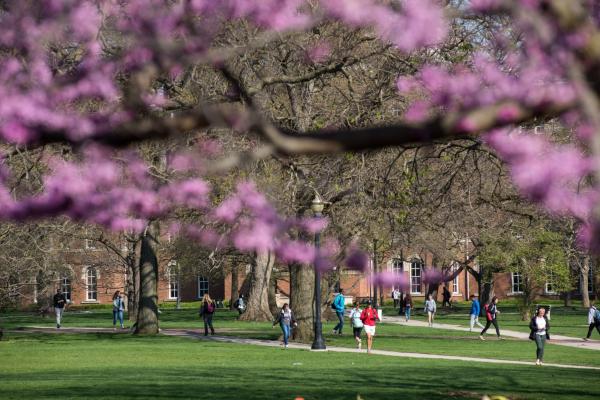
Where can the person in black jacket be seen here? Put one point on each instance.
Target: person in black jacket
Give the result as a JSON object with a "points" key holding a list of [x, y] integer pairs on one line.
{"points": [[60, 302], [539, 332]]}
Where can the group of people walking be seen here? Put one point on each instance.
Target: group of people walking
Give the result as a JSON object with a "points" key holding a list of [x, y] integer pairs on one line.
{"points": [[365, 319]]}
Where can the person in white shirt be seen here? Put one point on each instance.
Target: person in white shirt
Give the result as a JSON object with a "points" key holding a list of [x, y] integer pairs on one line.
{"points": [[357, 324], [396, 297], [593, 321], [540, 328]]}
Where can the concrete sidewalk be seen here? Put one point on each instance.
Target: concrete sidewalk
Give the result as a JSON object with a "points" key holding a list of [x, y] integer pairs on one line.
{"points": [[555, 339], [271, 343]]}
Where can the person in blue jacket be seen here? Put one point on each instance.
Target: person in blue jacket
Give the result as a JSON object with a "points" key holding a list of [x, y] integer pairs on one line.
{"points": [[338, 306], [475, 310]]}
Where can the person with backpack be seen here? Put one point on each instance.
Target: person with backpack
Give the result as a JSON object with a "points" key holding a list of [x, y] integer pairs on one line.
{"points": [[593, 321], [368, 317], [540, 328], [207, 310], [239, 304], [286, 320], [491, 312], [118, 308], [430, 309], [475, 310], [407, 306], [338, 306], [59, 302], [357, 324]]}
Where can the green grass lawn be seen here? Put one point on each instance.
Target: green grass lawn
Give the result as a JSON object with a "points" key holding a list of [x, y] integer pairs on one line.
{"points": [[389, 336], [98, 366]]}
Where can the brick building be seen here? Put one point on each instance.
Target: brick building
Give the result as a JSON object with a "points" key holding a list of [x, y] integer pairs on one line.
{"points": [[90, 275]]}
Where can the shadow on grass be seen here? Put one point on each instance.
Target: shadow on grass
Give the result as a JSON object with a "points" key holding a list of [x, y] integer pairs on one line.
{"points": [[327, 383]]}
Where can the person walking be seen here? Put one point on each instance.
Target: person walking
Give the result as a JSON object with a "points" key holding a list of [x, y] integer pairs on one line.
{"points": [[430, 309], [593, 321], [357, 324], [338, 306], [118, 308], [475, 310], [396, 297], [59, 302], [540, 328], [207, 310], [446, 298], [240, 304], [368, 317], [407, 306], [286, 320], [491, 312]]}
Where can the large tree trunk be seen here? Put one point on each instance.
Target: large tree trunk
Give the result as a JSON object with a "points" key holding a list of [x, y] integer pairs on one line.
{"points": [[569, 299], [258, 297], [585, 270], [302, 299], [133, 282], [272, 294], [235, 294], [147, 317]]}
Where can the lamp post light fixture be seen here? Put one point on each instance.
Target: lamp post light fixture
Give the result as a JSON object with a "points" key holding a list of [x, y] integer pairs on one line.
{"points": [[317, 207]]}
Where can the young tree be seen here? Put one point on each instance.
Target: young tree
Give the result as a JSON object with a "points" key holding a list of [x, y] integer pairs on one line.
{"points": [[537, 256]]}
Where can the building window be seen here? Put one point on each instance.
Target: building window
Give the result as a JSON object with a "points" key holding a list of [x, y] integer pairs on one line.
{"points": [[65, 288], [397, 268], [517, 282], [202, 286], [455, 287], [89, 244], [173, 281], [91, 284], [416, 268]]}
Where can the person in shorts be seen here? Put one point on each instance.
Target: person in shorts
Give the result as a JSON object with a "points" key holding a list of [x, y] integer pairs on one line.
{"points": [[369, 316], [357, 324]]}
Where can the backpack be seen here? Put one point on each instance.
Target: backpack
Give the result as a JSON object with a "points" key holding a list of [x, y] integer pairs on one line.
{"points": [[210, 307], [597, 315]]}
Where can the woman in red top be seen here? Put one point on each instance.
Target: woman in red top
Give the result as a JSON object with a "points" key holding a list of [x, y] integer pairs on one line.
{"points": [[368, 317]]}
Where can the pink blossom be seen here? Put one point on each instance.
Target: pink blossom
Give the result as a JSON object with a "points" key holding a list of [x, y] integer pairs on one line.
{"points": [[357, 260]]}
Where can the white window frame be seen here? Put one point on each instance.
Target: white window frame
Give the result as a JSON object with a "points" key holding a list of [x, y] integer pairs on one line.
{"points": [[413, 267], [94, 284], [455, 281], [173, 282], [89, 244], [66, 287], [397, 268], [512, 283], [203, 285]]}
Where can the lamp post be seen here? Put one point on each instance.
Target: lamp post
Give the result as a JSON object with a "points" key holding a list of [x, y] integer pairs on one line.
{"points": [[318, 343]]}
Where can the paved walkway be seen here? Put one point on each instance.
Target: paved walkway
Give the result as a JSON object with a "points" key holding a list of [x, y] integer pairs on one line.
{"points": [[556, 339], [197, 334]]}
